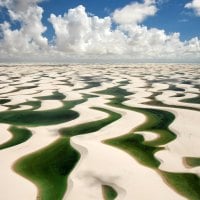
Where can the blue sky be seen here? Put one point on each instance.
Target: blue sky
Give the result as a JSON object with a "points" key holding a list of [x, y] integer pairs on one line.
{"points": [[171, 16], [35, 25]]}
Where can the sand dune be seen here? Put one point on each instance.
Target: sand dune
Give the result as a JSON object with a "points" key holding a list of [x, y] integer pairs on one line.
{"points": [[31, 89]]}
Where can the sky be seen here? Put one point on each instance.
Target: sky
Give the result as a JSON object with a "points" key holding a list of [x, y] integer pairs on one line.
{"points": [[100, 30]]}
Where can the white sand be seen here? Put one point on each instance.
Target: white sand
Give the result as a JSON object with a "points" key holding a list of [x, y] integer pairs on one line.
{"points": [[50, 104], [148, 135], [187, 141], [158, 87], [185, 145], [42, 136], [7, 89], [102, 164], [3, 108], [98, 166], [14, 186], [167, 98], [5, 134]]}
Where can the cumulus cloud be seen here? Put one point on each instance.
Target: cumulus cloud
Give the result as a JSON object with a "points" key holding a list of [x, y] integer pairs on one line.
{"points": [[135, 13], [18, 5], [79, 34], [195, 5], [27, 39]]}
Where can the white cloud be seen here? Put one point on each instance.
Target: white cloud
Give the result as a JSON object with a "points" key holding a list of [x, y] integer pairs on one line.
{"points": [[135, 13], [80, 35], [195, 5], [77, 32], [19, 5], [28, 39]]}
